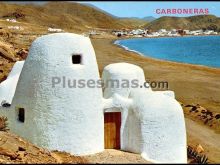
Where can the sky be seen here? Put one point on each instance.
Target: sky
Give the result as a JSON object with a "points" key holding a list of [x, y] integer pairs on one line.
{"points": [[147, 8], [142, 9]]}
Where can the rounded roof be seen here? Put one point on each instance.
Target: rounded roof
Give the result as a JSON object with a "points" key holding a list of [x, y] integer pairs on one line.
{"points": [[62, 42], [123, 67]]}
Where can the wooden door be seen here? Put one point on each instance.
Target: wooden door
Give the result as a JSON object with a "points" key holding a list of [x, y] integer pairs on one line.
{"points": [[112, 130]]}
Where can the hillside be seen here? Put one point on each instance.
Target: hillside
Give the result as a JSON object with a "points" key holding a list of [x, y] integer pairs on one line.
{"points": [[149, 18], [191, 23], [65, 15], [133, 22]]}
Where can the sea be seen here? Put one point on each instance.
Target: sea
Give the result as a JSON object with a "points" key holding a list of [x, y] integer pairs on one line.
{"points": [[199, 50]]}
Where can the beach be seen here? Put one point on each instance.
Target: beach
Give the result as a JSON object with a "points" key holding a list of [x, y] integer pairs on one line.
{"points": [[191, 83]]}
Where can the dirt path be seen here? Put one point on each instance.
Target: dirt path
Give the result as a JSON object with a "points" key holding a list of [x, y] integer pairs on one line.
{"points": [[209, 139], [114, 157]]}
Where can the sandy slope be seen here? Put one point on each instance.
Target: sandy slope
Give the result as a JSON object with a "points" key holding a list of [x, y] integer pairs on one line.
{"points": [[115, 156], [14, 149], [209, 139]]}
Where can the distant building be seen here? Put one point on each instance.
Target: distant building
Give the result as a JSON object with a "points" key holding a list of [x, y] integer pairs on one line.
{"points": [[11, 20], [187, 32], [55, 30], [197, 32], [138, 32], [15, 27], [162, 31], [155, 34], [209, 32]]}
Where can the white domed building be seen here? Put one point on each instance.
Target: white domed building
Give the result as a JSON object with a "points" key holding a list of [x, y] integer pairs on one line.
{"points": [[51, 114], [152, 123], [8, 87], [54, 107]]}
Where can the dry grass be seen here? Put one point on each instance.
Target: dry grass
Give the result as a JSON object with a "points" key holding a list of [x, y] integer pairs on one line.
{"points": [[3, 124], [66, 15], [195, 157]]}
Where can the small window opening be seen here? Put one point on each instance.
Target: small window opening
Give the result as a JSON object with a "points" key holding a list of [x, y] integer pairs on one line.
{"points": [[76, 59], [21, 115]]}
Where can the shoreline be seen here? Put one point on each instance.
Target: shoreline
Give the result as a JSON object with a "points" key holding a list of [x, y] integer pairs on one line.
{"points": [[131, 37], [127, 49], [147, 56], [191, 83]]}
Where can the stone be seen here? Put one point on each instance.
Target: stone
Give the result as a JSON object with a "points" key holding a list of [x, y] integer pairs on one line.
{"points": [[22, 53], [199, 148]]}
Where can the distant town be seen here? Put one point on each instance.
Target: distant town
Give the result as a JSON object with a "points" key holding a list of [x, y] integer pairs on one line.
{"points": [[162, 33], [133, 33]]}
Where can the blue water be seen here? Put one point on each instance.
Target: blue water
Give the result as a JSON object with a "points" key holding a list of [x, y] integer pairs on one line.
{"points": [[200, 50]]}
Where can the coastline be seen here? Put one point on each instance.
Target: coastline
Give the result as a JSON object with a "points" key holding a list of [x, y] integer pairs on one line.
{"points": [[126, 48], [161, 60], [202, 35], [191, 83], [115, 42]]}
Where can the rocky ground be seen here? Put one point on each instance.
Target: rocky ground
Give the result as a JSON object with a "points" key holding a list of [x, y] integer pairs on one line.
{"points": [[14, 149], [202, 115]]}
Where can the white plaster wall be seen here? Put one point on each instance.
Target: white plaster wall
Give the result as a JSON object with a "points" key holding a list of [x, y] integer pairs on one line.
{"points": [[65, 119], [130, 132], [7, 87], [162, 127], [71, 119], [152, 122], [121, 72], [131, 135]]}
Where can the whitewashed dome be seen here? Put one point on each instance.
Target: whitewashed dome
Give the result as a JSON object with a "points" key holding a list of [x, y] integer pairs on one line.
{"points": [[152, 122], [122, 72], [7, 87], [59, 117]]}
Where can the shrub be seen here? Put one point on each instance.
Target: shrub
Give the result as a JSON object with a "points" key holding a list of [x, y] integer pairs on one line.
{"points": [[196, 157], [3, 124]]}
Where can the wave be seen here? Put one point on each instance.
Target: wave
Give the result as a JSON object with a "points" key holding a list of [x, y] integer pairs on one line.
{"points": [[117, 42]]}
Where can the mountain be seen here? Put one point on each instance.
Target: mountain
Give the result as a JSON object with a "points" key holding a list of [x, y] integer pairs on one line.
{"points": [[65, 15], [139, 23], [128, 21], [149, 18], [98, 9], [190, 23]]}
